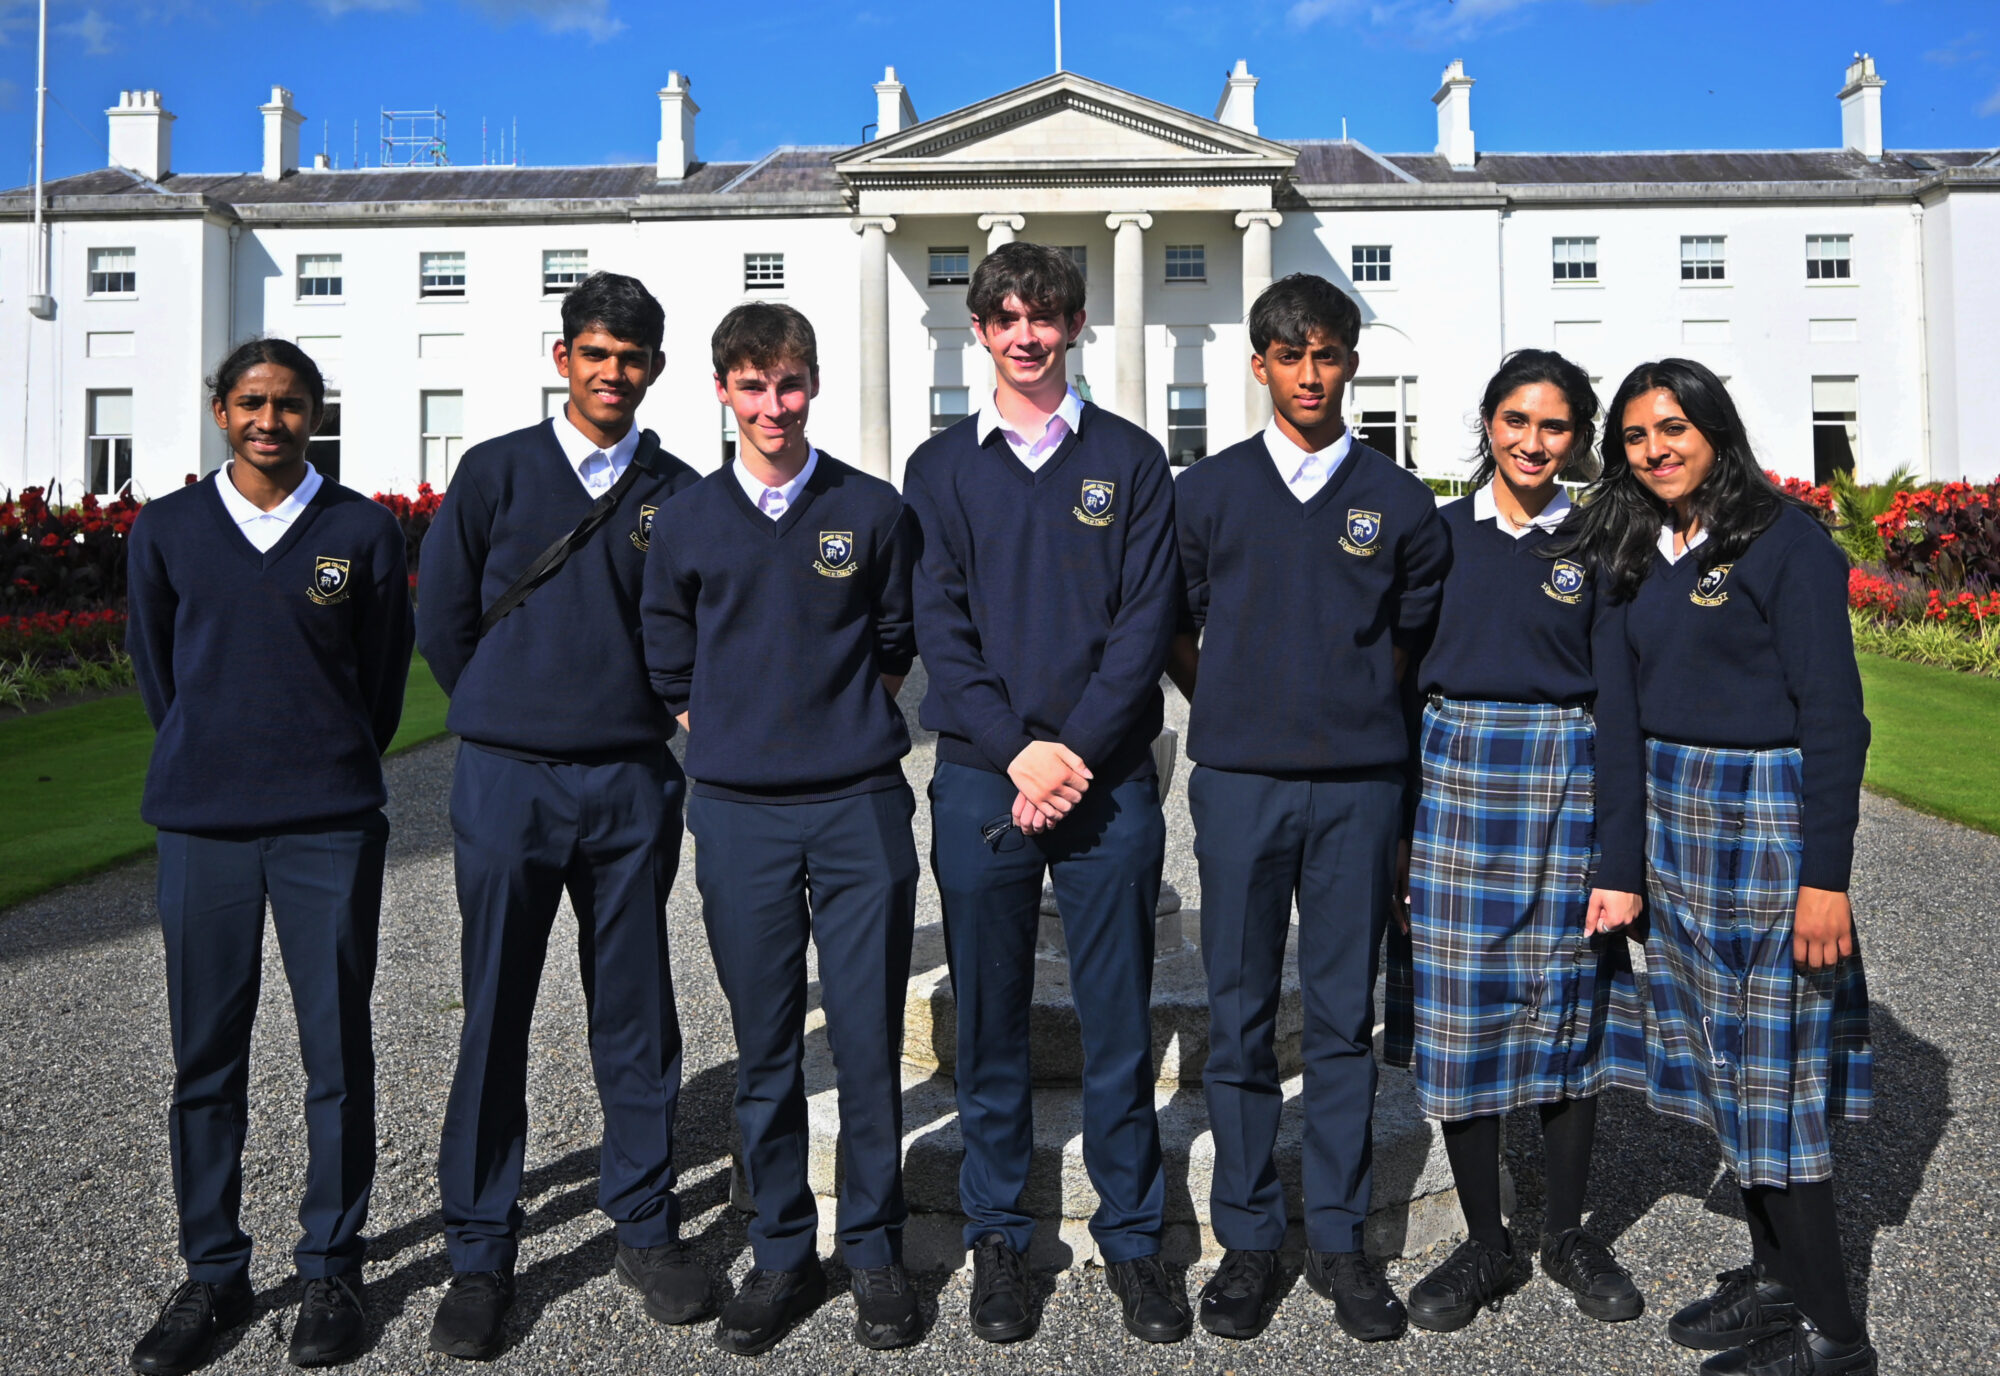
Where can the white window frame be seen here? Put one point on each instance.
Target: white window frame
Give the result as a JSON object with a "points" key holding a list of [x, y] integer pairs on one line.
{"points": [[1372, 264], [1847, 421], [1184, 392], [949, 277], [563, 269], [763, 272], [1829, 259], [1704, 258], [337, 277], [1573, 259], [115, 447], [1404, 441], [321, 441], [1186, 263], [127, 274], [943, 418], [438, 450], [435, 279]]}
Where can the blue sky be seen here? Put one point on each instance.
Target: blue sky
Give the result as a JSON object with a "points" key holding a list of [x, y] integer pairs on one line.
{"points": [[579, 75]]}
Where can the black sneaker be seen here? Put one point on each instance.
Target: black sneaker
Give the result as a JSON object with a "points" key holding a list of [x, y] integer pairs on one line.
{"points": [[194, 1316], [769, 1303], [1472, 1276], [1797, 1349], [471, 1320], [1581, 1264], [1155, 1305], [333, 1322], [675, 1287], [885, 1308], [1742, 1308], [1001, 1310], [1364, 1306], [1239, 1298]]}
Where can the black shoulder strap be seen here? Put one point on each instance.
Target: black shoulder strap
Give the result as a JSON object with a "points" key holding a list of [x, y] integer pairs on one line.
{"points": [[550, 561]]}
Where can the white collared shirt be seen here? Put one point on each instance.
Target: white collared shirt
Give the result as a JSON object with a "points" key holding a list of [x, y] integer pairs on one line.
{"points": [[1667, 543], [773, 501], [1304, 471], [1484, 508], [597, 469], [1032, 452], [264, 529]]}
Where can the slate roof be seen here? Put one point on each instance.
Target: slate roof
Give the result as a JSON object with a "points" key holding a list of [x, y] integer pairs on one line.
{"points": [[1749, 167]]}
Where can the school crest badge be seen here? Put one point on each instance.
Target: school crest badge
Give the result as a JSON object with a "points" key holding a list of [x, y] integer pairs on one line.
{"points": [[329, 581], [1096, 507], [836, 554], [1565, 582], [643, 536], [1708, 591], [1364, 528]]}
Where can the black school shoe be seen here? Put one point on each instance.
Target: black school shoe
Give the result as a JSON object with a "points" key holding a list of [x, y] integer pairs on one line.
{"points": [[769, 1303], [194, 1316], [1472, 1277], [1001, 1310], [1797, 1349], [1364, 1306], [885, 1308], [1239, 1298], [471, 1319], [1155, 1306], [1584, 1266], [675, 1287], [1742, 1308], [333, 1322]]}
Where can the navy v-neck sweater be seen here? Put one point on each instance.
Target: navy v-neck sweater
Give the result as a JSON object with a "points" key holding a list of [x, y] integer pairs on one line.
{"points": [[274, 679], [563, 676], [1301, 606], [1045, 600], [773, 635], [1758, 654]]}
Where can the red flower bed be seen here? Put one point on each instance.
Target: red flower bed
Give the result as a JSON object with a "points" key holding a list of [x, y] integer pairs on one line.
{"points": [[62, 557], [52, 635], [1966, 611], [1821, 496], [415, 515], [1949, 535]]}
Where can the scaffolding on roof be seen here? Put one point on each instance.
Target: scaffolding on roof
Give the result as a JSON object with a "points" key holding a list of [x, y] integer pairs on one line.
{"points": [[414, 138]]}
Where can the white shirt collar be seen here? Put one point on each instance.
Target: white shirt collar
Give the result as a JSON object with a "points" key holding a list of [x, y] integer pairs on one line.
{"points": [[1667, 543], [1484, 508], [246, 512], [754, 488], [1304, 471], [581, 453], [1031, 451]]}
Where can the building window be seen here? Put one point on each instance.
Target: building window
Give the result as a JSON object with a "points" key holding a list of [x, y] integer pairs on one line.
{"points": [[763, 272], [109, 455], [1371, 263], [1187, 262], [444, 436], [553, 401], [1828, 257], [319, 277], [1187, 425], [114, 271], [950, 267], [1575, 259], [443, 274], [1701, 258], [728, 433], [949, 406], [562, 268], [1384, 411], [1836, 426], [323, 449], [1078, 254]]}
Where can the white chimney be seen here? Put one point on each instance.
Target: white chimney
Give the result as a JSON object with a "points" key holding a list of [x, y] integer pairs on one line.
{"points": [[281, 135], [677, 112], [1861, 109], [1454, 102], [1238, 106], [893, 111], [142, 134]]}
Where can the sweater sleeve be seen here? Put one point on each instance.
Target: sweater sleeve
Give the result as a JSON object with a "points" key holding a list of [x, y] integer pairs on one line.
{"points": [[1807, 612], [1620, 752], [1426, 561], [667, 623], [1191, 535], [895, 619], [149, 619], [448, 586], [383, 639], [948, 640]]}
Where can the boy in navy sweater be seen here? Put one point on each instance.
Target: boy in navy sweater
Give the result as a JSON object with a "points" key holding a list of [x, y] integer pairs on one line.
{"points": [[563, 781], [268, 584], [777, 626], [1313, 564], [1045, 600]]}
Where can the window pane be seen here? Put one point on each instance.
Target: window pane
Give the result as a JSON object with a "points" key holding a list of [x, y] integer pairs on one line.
{"points": [[444, 413], [763, 270], [443, 274], [1187, 425], [1835, 394], [1078, 254], [319, 274], [110, 413], [949, 405], [563, 268], [1187, 263], [113, 270], [950, 267]]}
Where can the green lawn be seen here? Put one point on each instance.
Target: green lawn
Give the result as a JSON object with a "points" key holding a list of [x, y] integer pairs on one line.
{"points": [[1937, 739], [72, 779]]}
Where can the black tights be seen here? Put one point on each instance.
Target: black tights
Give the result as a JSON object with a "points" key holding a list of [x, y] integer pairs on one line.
{"points": [[1795, 1239], [1569, 1126]]}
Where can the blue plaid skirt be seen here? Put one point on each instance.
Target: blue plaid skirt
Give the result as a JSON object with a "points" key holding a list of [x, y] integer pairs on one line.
{"points": [[1742, 1043], [1497, 998]]}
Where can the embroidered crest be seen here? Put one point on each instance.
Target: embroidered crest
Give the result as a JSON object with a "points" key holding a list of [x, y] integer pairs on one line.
{"points": [[329, 581], [1364, 528], [1096, 508], [836, 554], [1708, 588], [1565, 582], [643, 536]]}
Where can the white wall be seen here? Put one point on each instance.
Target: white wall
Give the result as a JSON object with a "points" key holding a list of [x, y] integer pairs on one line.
{"points": [[1962, 302]]}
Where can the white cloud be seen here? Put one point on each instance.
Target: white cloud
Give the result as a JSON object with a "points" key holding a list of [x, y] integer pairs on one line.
{"points": [[93, 28], [1964, 48], [9, 93], [592, 18], [1992, 105]]}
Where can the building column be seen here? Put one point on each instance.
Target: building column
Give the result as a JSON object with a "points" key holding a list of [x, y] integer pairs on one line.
{"points": [[874, 232], [1256, 226], [1128, 307], [1001, 229]]}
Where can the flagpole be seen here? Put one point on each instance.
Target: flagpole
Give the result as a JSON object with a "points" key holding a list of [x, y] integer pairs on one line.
{"points": [[1059, 65], [41, 140]]}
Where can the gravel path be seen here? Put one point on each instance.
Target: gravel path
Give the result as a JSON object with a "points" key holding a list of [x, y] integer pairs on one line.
{"points": [[87, 1231]]}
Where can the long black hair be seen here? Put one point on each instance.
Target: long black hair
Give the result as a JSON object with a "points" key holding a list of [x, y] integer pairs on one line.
{"points": [[1617, 527], [1525, 368], [281, 353]]}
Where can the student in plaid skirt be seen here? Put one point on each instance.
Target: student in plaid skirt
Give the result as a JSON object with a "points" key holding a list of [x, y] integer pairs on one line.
{"points": [[1740, 665], [1527, 856]]}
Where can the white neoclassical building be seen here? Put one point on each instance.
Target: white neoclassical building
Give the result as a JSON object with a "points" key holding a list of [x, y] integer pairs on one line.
{"points": [[1838, 289]]}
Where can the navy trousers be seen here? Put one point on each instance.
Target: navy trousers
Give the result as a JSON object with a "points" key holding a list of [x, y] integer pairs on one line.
{"points": [[844, 874], [1260, 842], [523, 832], [325, 891], [1105, 862]]}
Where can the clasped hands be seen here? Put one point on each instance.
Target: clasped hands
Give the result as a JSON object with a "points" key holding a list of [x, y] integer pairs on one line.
{"points": [[1052, 779]]}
